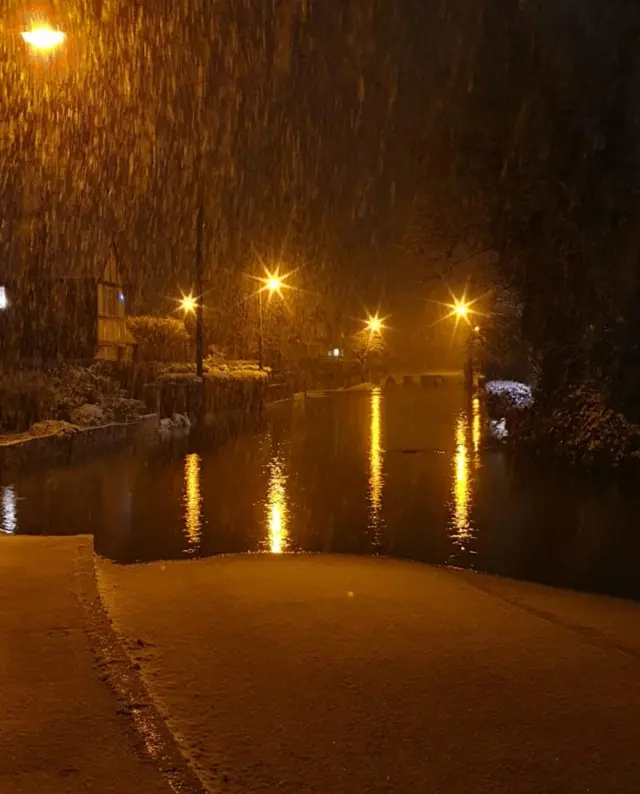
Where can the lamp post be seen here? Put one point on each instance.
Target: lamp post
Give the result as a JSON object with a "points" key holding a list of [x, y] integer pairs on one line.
{"points": [[199, 292], [273, 284], [462, 310]]}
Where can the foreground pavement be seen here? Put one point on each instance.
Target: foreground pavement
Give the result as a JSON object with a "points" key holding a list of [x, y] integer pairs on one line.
{"points": [[334, 674], [63, 730]]}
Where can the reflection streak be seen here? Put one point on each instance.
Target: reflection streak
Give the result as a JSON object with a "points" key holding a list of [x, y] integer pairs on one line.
{"points": [[192, 499], [277, 513], [376, 463], [9, 517], [476, 430], [461, 482]]}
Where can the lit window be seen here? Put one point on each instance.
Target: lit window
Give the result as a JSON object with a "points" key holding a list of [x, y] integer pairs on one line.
{"points": [[3, 298]]}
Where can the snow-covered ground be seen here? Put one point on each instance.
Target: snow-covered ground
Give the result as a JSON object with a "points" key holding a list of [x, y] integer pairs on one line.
{"points": [[332, 674]]}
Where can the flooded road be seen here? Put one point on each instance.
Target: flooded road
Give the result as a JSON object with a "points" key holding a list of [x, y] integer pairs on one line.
{"points": [[399, 472]]}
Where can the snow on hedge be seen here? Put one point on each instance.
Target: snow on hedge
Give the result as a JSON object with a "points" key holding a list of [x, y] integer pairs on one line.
{"points": [[511, 393]]}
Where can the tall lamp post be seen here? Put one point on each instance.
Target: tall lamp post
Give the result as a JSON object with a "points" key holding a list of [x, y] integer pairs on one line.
{"points": [[272, 285], [200, 294], [462, 310], [191, 304]]}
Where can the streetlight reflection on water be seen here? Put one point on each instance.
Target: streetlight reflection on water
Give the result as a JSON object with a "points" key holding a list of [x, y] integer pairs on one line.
{"points": [[277, 510], [376, 464], [8, 513], [466, 460], [476, 429], [192, 500], [461, 484]]}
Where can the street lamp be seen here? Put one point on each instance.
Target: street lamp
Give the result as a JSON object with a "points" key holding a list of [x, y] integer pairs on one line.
{"points": [[272, 284], [188, 304], [43, 38]]}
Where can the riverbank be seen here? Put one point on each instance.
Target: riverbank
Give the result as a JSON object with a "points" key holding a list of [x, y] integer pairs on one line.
{"points": [[325, 673]]}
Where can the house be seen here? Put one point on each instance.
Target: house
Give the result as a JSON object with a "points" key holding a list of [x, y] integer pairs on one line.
{"points": [[74, 311]]}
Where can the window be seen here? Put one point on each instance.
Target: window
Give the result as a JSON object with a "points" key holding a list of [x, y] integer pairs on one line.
{"points": [[3, 298]]}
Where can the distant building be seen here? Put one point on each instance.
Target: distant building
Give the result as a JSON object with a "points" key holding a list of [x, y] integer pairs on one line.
{"points": [[76, 312]]}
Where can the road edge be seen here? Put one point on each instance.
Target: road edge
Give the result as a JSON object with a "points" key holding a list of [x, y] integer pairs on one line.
{"points": [[120, 672]]}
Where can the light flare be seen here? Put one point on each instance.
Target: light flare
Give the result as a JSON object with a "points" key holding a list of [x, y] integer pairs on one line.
{"points": [[274, 282], [188, 304], [43, 38]]}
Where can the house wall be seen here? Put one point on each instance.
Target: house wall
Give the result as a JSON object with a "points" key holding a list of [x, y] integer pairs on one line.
{"points": [[49, 320]]}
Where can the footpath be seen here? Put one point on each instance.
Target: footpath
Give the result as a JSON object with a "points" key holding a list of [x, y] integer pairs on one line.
{"points": [[307, 674], [63, 729]]}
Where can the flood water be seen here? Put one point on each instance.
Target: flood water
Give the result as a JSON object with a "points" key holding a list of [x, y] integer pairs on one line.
{"points": [[401, 472]]}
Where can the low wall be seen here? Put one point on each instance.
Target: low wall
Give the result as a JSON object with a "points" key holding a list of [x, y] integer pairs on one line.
{"points": [[217, 397], [63, 448]]}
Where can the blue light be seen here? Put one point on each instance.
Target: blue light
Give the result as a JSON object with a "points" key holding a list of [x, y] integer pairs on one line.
{"points": [[121, 296]]}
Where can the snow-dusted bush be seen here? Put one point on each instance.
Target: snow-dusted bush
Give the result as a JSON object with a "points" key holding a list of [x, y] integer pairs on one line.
{"points": [[579, 428], [85, 396], [124, 409], [52, 427], [507, 395], [88, 416], [75, 386], [160, 338], [214, 368], [178, 425]]}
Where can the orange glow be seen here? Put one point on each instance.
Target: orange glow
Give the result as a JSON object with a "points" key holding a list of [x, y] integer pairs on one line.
{"points": [[188, 304], [375, 324], [43, 38], [274, 282]]}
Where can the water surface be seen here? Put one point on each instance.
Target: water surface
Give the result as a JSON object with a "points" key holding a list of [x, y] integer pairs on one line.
{"points": [[400, 472]]}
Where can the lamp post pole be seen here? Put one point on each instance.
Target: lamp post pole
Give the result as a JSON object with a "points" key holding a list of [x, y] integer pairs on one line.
{"points": [[261, 341], [199, 293]]}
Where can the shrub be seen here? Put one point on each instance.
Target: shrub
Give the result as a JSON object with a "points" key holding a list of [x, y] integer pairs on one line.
{"points": [[504, 396], [88, 416], [162, 339], [579, 428]]}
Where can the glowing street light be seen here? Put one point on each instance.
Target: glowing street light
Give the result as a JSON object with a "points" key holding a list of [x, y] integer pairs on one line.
{"points": [[188, 304], [272, 284], [374, 325], [462, 310], [43, 38]]}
